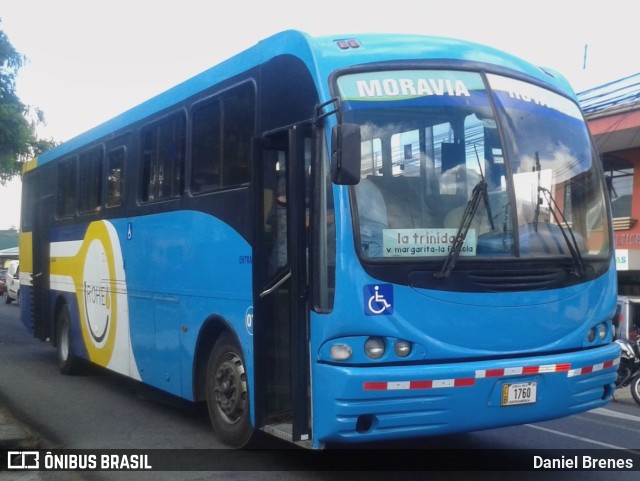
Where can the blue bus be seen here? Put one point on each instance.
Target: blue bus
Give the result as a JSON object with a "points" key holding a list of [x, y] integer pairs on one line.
{"points": [[335, 240]]}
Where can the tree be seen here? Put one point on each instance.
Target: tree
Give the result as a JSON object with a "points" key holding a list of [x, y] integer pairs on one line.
{"points": [[18, 140]]}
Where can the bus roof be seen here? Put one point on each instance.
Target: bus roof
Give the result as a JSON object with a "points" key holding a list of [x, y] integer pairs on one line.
{"points": [[322, 55]]}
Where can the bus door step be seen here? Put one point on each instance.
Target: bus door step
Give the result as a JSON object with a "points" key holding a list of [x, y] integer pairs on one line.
{"points": [[280, 430], [285, 431]]}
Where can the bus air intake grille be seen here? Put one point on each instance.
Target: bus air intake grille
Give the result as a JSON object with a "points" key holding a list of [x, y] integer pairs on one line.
{"points": [[513, 281]]}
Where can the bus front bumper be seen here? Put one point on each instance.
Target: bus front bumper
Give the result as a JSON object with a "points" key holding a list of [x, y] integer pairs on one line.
{"points": [[364, 404]]}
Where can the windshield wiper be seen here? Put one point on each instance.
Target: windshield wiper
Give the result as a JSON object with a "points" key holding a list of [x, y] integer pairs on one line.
{"points": [[538, 169], [561, 221], [564, 227], [480, 192]]}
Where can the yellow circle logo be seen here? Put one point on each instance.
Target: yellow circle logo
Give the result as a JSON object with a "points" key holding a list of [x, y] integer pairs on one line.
{"points": [[97, 296]]}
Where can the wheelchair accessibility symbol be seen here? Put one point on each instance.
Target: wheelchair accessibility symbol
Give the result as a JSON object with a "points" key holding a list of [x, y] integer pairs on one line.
{"points": [[378, 299]]}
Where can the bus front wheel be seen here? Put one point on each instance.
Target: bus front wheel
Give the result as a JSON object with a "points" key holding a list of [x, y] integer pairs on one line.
{"points": [[68, 363], [228, 393]]}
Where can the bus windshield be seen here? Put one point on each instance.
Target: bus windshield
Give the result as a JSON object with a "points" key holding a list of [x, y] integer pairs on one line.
{"points": [[436, 142]]}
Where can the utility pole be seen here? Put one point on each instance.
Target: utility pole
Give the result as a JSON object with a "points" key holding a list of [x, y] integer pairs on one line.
{"points": [[584, 61]]}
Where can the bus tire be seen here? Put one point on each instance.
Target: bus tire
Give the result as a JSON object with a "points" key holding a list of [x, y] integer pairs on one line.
{"points": [[228, 393], [68, 362], [635, 388]]}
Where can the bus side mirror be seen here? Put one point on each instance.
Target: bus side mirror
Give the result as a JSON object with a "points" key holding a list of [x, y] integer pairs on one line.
{"points": [[345, 154]]}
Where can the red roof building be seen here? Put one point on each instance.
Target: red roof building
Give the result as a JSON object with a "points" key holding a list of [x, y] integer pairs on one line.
{"points": [[613, 114]]}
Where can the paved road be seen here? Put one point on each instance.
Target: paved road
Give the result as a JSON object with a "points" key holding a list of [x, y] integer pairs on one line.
{"points": [[104, 411]]}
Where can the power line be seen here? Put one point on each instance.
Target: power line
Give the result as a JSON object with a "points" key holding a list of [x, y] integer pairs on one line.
{"points": [[615, 94]]}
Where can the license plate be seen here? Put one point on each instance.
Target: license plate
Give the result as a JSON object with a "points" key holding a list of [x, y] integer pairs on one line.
{"points": [[519, 393]]}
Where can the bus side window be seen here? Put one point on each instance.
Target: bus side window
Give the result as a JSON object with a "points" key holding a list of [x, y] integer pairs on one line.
{"points": [[90, 187], [66, 193], [115, 175], [222, 129], [163, 153], [205, 152]]}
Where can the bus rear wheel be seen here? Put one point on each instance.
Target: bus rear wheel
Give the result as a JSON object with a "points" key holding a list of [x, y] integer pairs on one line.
{"points": [[68, 362], [228, 393]]}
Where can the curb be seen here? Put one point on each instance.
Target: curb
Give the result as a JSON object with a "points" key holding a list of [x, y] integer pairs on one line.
{"points": [[14, 434]]}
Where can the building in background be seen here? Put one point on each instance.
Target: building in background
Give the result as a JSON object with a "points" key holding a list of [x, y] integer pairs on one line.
{"points": [[8, 255], [8, 246], [8, 238], [613, 113]]}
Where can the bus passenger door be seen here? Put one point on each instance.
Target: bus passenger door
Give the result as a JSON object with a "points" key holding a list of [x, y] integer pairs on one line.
{"points": [[281, 313]]}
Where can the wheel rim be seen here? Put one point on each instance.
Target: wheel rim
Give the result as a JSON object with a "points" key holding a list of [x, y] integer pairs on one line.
{"points": [[231, 388]]}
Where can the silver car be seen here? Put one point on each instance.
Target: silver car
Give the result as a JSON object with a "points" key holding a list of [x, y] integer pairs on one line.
{"points": [[12, 290]]}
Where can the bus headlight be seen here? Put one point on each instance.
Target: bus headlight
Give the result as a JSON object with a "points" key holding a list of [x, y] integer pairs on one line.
{"points": [[402, 348], [597, 332], [374, 347], [341, 352], [602, 331]]}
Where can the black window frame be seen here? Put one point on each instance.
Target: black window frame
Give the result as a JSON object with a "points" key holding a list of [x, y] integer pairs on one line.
{"points": [[155, 153], [90, 174], [67, 188], [111, 180], [229, 152]]}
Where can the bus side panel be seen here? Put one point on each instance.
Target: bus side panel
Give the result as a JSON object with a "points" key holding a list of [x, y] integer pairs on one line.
{"points": [[181, 269], [87, 270], [155, 324]]}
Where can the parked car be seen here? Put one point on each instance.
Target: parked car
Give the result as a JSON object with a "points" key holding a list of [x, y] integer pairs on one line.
{"points": [[12, 290], [3, 281]]}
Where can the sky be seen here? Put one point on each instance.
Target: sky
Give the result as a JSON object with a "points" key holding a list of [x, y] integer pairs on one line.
{"points": [[89, 60]]}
